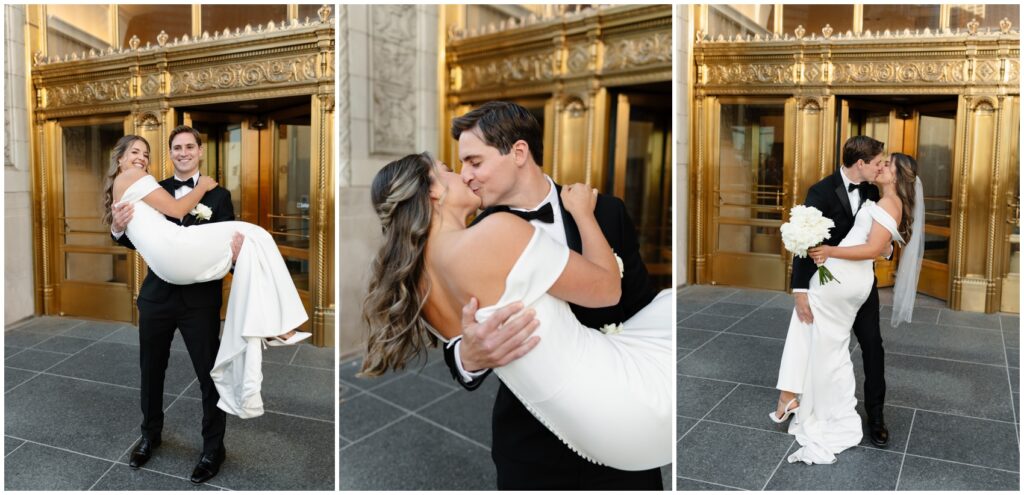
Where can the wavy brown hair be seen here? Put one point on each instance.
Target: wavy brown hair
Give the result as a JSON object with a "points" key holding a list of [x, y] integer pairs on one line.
{"points": [[906, 175], [113, 170], [401, 197]]}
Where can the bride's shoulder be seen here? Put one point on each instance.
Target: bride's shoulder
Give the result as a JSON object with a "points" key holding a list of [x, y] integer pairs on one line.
{"points": [[892, 206], [501, 226]]}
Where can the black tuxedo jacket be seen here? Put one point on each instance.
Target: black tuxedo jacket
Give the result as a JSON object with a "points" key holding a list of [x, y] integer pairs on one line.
{"points": [[200, 295], [516, 433], [830, 197]]}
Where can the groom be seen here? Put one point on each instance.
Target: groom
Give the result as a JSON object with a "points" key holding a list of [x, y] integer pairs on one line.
{"points": [[194, 310], [500, 146], [839, 197]]}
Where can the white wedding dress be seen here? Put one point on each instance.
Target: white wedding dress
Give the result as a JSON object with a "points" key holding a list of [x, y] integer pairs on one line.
{"points": [[263, 300], [816, 359], [608, 397]]}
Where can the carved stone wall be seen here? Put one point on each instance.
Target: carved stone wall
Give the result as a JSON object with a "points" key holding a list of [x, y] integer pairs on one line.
{"points": [[387, 77], [18, 275], [682, 133]]}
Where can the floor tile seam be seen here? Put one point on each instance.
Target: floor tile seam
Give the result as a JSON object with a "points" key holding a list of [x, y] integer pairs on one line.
{"points": [[62, 449], [378, 430], [969, 327], [726, 396], [724, 381], [783, 339], [294, 355], [94, 483], [169, 475], [1009, 382], [23, 442], [903, 460], [894, 353], [963, 463], [19, 351], [944, 413], [744, 427], [435, 380], [74, 354], [65, 354], [414, 413], [303, 366], [785, 454], [436, 400], [12, 389], [713, 483], [688, 430], [55, 375], [266, 411]]}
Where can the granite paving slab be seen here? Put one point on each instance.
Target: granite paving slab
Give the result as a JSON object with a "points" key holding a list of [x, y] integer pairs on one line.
{"points": [[923, 474], [731, 455], [394, 459], [855, 469], [38, 467]]}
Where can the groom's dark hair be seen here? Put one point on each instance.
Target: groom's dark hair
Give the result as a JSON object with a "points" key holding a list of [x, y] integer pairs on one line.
{"points": [[184, 128], [861, 148], [501, 124]]}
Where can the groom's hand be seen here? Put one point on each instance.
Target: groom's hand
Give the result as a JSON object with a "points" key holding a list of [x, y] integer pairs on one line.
{"points": [[501, 339], [803, 308]]}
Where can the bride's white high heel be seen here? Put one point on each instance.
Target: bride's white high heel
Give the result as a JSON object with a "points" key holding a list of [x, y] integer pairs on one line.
{"points": [[786, 411], [294, 339]]}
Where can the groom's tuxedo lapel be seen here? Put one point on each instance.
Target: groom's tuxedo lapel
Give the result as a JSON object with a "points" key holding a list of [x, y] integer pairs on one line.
{"points": [[572, 232], [841, 192]]}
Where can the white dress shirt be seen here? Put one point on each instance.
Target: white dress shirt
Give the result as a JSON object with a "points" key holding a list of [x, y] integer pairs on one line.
{"points": [[554, 229]]}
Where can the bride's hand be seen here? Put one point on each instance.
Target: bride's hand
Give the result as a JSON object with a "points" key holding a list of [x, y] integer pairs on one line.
{"points": [[579, 198], [820, 254], [206, 183]]}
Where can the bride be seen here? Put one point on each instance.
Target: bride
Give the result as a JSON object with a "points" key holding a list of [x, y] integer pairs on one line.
{"points": [[607, 396], [816, 360], [263, 302]]}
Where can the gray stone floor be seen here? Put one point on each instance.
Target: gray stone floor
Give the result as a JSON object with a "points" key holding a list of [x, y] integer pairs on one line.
{"points": [[953, 390], [71, 415], [417, 430]]}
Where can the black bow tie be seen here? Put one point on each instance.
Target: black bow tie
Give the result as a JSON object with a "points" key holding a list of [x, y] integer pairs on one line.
{"points": [[545, 213], [176, 184], [862, 186]]}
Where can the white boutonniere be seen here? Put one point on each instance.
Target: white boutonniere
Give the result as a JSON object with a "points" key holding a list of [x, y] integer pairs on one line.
{"points": [[612, 329], [201, 212], [622, 268]]}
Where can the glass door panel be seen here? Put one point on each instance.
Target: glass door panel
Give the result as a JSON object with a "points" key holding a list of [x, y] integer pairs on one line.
{"points": [[641, 177], [935, 168], [747, 245], [94, 270]]}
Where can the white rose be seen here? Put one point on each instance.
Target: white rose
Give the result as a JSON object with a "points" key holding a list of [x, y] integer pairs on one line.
{"points": [[622, 268], [612, 329], [202, 212]]}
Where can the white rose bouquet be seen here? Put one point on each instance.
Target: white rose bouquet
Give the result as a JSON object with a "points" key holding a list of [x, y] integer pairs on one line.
{"points": [[807, 228]]}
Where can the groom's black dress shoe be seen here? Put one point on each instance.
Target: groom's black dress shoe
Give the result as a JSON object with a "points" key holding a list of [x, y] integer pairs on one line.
{"points": [[141, 452], [878, 433], [208, 467]]}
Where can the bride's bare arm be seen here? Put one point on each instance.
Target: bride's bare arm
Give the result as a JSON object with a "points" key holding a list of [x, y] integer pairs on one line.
{"points": [[879, 241], [160, 199], [594, 278], [497, 243]]}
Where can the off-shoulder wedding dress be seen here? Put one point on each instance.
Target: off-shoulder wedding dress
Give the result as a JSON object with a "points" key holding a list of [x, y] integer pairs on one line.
{"points": [[263, 300], [816, 359], [607, 396]]}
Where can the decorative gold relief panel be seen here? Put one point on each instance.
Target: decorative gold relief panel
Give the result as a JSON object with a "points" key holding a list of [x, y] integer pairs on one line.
{"points": [[639, 50], [241, 76]]}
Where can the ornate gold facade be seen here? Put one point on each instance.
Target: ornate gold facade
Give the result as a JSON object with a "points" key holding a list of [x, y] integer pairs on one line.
{"points": [[599, 80], [263, 96], [805, 93]]}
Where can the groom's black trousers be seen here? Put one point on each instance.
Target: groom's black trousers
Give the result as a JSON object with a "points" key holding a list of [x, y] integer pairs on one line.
{"points": [[200, 330], [869, 335]]}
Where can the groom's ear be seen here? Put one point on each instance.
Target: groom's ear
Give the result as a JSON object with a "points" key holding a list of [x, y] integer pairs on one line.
{"points": [[520, 153]]}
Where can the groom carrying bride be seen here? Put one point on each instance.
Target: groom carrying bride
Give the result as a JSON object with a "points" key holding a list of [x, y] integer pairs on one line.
{"points": [[527, 455]]}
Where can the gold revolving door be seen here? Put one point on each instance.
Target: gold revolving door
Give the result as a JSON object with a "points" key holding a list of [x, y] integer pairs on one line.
{"points": [[262, 98]]}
